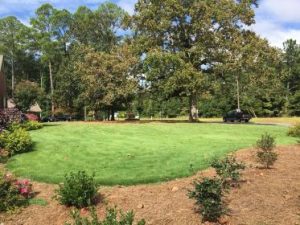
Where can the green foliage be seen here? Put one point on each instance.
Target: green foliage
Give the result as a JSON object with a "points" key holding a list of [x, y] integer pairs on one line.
{"points": [[265, 154], [208, 194], [27, 94], [266, 142], [27, 125], [32, 125], [294, 131], [267, 158], [16, 141], [10, 197], [228, 169], [114, 87], [79, 190], [110, 219]]}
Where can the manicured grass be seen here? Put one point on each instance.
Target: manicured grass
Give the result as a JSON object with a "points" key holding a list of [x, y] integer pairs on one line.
{"points": [[134, 153]]}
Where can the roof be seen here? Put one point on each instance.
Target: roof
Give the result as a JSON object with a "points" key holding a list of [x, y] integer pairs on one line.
{"points": [[1, 62], [34, 108]]}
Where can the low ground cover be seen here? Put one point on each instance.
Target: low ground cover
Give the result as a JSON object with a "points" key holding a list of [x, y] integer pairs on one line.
{"points": [[133, 153]]}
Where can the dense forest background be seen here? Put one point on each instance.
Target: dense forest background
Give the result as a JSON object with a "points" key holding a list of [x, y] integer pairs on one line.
{"points": [[169, 59]]}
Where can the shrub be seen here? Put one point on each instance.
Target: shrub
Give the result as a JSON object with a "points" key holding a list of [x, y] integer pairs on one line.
{"points": [[13, 193], [228, 169], [208, 194], [3, 155], [78, 189], [16, 141], [32, 125], [24, 187], [110, 219], [295, 131], [27, 125], [265, 154], [266, 142]]}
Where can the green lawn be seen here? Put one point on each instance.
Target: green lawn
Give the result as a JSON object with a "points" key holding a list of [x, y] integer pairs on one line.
{"points": [[133, 153]]}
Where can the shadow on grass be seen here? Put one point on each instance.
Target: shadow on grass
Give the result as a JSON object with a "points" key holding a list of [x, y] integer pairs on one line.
{"points": [[171, 121], [49, 124]]}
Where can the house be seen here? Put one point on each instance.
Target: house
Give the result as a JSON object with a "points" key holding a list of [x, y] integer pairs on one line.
{"points": [[3, 93], [34, 109]]}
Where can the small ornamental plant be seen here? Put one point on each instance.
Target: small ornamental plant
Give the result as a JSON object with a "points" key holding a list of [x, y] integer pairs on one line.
{"points": [[208, 194], [112, 218], [265, 153], [228, 169], [14, 193], [24, 187], [78, 189], [295, 132]]}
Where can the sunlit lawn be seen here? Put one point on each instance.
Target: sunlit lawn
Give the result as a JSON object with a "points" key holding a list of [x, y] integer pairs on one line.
{"points": [[134, 153]]}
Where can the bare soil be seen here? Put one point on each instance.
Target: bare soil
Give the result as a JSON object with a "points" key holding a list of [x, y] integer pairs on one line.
{"points": [[265, 197]]}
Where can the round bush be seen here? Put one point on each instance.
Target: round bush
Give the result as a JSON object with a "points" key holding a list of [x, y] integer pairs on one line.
{"points": [[79, 190], [294, 131], [16, 141]]}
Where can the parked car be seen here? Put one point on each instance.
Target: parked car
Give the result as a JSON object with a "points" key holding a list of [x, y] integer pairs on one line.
{"points": [[57, 118], [236, 116]]}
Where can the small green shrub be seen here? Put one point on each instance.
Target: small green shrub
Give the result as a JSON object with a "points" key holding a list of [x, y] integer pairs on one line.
{"points": [[79, 190], [266, 142], [32, 125], [265, 153], [13, 193], [4, 155], [110, 219], [228, 169], [16, 141], [295, 131], [208, 194], [28, 125]]}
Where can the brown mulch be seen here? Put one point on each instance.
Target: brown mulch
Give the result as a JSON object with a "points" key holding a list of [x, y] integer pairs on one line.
{"points": [[266, 197]]}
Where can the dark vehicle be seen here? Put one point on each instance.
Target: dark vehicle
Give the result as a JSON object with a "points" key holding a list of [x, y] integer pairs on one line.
{"points": [[237, 116], [57, 118]]}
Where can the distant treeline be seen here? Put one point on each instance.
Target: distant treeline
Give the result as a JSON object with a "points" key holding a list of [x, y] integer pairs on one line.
{"points": [[168, 59]]}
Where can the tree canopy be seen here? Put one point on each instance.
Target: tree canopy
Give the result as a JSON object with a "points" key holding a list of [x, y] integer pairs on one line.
{"points": [[170, 58]]}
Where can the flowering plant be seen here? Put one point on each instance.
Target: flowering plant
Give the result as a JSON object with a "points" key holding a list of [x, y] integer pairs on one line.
{"points": [[24, 187]]}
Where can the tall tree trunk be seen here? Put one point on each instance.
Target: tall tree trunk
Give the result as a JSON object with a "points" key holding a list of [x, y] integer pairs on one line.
{"points": [[51, 88], [193, 111], [12, 75], [112, 111], [238, 93]]}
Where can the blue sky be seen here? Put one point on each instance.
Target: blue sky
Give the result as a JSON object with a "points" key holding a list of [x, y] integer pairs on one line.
{"points": [[275, 20]]}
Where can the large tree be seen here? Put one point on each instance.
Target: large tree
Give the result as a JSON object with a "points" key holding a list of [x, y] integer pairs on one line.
{"points": [[51, 27], [291, 82], [109, 82], [27, 94], [181, 41], [98, 29], [14, 38]]}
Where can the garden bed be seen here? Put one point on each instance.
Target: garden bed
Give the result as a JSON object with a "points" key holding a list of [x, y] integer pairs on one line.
{"points": [[265, 197]]}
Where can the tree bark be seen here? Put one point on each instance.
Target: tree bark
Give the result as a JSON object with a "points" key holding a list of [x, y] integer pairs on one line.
{"points": [[193, 111], [112, 111], [51, 88], [12, 75], [238, 92]]}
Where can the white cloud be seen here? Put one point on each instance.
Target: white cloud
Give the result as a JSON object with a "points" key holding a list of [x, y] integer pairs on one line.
{"points": [[283, 11], [278, 21], [275, 33]]}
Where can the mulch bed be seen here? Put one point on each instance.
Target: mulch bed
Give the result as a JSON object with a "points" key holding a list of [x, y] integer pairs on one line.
{"points": [[266, 197]]}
